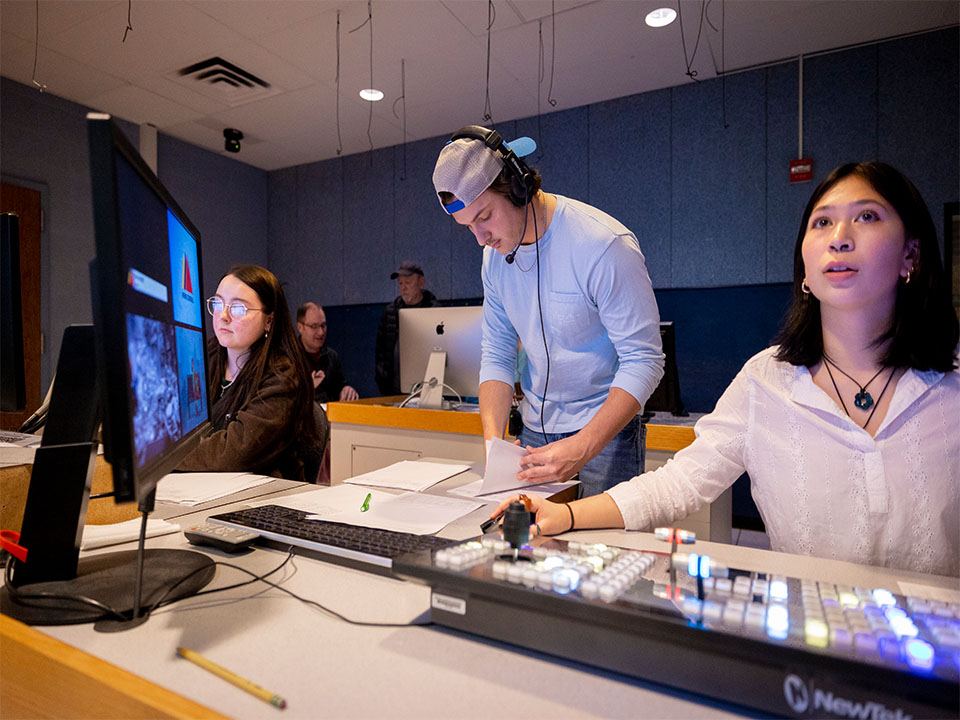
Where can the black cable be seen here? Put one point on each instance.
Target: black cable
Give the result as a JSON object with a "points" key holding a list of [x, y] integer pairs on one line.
{"points": [[36, 49], [129, 21], [553, 50], [543, 332], [22, 598], [321, 606], [491, 17], [339, 139]]}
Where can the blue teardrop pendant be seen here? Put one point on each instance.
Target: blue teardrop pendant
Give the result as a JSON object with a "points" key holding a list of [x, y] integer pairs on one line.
{"points": [[863, 400]]}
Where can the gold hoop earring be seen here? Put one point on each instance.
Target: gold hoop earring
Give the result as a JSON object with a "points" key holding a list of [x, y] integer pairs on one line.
{"points": [[805, 288], [906, 280]]}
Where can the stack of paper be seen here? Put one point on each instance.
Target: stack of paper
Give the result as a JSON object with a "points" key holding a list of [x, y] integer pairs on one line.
{"points": [[196, 488], [408, 512], [95, 536], [412, 475]]}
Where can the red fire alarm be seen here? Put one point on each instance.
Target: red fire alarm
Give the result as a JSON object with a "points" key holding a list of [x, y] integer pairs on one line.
{"points": [[801, 170]]}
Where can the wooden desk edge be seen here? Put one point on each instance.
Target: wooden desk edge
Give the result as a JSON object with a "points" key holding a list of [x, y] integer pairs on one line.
{"points": [[373, 411], [41, 676]]}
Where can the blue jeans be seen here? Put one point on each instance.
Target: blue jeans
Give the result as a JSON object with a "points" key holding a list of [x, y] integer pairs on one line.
{"points": [[620, 460]]}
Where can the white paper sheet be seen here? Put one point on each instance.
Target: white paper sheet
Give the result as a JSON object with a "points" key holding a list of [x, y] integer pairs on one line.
{"points": [[95, 536], [503, 464], [412, 475], [11, 455], [473, 490], [407, 512], [196, 488]]}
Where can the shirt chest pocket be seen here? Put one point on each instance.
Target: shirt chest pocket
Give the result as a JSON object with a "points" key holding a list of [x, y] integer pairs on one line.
{"points": [[571, 315]]}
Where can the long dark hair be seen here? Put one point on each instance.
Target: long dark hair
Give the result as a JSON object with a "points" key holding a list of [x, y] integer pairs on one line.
{"points": [[279, 348], [924, 332]]}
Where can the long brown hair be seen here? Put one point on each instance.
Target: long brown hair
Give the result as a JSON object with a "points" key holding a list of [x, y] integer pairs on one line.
{"points": [[272, 351]]}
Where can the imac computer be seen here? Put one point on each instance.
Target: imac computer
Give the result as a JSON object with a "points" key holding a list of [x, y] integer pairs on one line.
{"points": [[141, 370], [440, 347]]}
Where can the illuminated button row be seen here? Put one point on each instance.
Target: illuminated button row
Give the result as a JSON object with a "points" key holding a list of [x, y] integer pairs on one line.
{"points": [[611, 583]]}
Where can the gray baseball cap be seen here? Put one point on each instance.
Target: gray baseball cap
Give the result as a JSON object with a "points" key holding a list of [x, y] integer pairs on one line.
{"points": [[466, 167]]}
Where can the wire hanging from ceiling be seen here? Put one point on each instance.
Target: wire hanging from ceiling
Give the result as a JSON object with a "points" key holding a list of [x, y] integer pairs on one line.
{"points": [[129, 21], [339, 139], [491, 18], [553, 50], [540, 75], [688, 59], [369, 22], [721, 70], [403, 119], [36, 49]]}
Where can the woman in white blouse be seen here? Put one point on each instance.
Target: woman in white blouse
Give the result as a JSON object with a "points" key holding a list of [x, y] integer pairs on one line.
{"points": [[848, 427]]}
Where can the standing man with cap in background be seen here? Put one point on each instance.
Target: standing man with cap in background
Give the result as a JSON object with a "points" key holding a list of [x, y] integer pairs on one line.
{"points": [[571, 283], [410, 283]]}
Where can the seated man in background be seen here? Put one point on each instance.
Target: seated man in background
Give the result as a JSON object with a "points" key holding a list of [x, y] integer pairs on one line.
{"points": [[410, 284], [329, 382]]}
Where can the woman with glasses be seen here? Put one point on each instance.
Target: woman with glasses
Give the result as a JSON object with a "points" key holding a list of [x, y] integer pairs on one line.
{"points": [[848, 427], [262, 397]]}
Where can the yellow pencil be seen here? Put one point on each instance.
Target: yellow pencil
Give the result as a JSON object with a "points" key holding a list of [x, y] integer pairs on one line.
{"points": [[232, 678]]}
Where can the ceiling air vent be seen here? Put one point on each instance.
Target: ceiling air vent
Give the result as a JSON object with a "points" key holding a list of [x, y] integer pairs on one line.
{"points": [[221, 79]]}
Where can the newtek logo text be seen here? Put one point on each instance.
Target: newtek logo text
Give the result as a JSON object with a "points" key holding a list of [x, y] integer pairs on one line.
{"points": [[798, 694]]}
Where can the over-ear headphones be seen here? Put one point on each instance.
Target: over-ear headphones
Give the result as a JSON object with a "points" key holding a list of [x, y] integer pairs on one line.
{"points": [[522, 181]]}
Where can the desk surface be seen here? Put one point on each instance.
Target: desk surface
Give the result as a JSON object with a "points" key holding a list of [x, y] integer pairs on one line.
{"points": [[325, 666]]}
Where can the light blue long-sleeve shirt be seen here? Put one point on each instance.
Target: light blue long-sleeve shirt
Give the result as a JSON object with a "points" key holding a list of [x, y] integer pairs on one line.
{"points": [[599, 315]]}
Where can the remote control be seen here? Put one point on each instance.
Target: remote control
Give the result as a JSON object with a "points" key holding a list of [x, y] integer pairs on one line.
{"points": [[221, 537]]}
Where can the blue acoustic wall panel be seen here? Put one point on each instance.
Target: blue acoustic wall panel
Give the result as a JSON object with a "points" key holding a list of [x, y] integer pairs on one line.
{"points": [[224, 198], [920, 114], [840, 109], [283, 242], [562, 156], [785, 200], [630, 177], [43, 145], [368, 225], [719, 174], [424, 233], [317, 246]]}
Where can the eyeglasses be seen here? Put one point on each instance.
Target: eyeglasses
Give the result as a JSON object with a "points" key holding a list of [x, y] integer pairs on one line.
{"points": [[237, 309], [315, 326]]}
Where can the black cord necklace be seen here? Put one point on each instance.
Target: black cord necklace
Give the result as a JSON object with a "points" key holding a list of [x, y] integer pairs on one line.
{"points": [[863, 399], [893, 372]]}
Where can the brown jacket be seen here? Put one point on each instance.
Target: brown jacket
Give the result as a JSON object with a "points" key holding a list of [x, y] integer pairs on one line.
{"points": [[261, 437]]}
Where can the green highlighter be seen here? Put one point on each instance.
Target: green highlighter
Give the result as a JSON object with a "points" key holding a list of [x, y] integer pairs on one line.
{"points": [[366, 503]]}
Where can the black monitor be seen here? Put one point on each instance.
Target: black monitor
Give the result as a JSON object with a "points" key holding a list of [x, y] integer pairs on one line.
{"points": [[666, 398], [141, 368], [12, 384], [148, 317]]}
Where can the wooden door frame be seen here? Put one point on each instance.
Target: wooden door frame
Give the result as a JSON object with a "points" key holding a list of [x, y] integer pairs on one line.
{"points": [[35, 393]]}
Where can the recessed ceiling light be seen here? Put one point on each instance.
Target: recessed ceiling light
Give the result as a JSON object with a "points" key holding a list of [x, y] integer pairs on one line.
{"points": [[371, 94], [661, 17]]}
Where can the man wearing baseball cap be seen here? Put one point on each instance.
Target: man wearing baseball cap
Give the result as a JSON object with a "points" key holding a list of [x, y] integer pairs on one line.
{"points": [[410, 283], [571, 284]]}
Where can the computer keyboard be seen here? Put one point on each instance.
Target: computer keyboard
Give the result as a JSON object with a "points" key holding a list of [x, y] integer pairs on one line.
{"points": [[366, 548]]}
